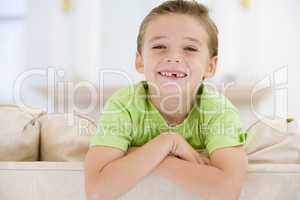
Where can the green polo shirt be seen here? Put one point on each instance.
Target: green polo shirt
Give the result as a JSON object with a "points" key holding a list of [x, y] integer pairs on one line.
{"points": [[129, 119]]}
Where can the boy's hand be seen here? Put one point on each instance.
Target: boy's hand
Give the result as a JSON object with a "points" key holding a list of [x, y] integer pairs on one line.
{"points": [[204, 159], [182, 149]]}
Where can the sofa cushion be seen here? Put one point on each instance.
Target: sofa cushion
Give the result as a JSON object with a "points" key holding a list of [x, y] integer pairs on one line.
{"points": [[273, 141], [19, 133], [65, 137]]}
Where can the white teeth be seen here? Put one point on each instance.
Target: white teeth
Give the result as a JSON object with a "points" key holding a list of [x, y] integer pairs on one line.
{"points": [[170, 74], [179, 75]]}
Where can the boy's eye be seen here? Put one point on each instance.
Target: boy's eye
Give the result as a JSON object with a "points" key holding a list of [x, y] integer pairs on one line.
{"points": [[190, 49], [159, 47]]}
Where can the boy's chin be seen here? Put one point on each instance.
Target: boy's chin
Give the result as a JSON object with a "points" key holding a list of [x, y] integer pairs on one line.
{"points": [[172, 88]]}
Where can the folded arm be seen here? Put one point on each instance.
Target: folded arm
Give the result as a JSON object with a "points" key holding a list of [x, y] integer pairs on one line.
{"points": [[222, 179], [109, 174]]}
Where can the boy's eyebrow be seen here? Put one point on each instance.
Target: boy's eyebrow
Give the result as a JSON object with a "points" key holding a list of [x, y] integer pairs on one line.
{"points": [[193, 40], [157, 38], [186, 38]]}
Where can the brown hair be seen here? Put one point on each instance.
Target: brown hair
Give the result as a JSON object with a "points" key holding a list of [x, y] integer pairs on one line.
{"points": [[192, 8]]}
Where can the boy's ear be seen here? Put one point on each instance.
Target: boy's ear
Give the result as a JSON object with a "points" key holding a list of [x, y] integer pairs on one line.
{"points": [[139, 66], [211, 69]]}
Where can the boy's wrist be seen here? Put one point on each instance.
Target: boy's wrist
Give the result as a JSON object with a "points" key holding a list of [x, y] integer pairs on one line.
{"points": [[169, 138], [165, 140]]}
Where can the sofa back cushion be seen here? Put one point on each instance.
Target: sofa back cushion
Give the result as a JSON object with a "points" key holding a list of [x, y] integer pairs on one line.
{"points": [[65, 137], [273, 141], [19, 133]]}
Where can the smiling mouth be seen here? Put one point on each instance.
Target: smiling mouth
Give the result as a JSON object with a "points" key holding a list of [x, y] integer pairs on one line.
{"points": [[173, 75]]}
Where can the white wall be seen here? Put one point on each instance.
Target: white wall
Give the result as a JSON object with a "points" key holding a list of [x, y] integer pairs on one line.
{"points": [[255, 43], [12, 47], [66, 40], [119, 26], [293, 58]]}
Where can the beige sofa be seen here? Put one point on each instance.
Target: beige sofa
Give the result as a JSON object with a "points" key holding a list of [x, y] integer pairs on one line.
{"points": [[41, 158]]}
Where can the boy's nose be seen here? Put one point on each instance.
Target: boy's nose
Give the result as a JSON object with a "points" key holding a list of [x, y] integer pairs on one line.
{"points": [[175, 60], [173, 57]]}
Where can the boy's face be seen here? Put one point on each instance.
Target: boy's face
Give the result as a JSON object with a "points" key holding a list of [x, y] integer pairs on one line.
{"points": [[175, 56]]}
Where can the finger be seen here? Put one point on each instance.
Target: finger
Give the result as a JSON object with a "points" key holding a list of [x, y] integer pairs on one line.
{"points": [[198, 158], [191, 158], [206, 160], [202, 159]]}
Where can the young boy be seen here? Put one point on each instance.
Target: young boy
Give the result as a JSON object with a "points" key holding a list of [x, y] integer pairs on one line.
{"points": [[170, 114]]}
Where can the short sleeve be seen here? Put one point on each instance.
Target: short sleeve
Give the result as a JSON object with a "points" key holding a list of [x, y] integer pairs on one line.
{"points": [[225, 130], [114, 128]]}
